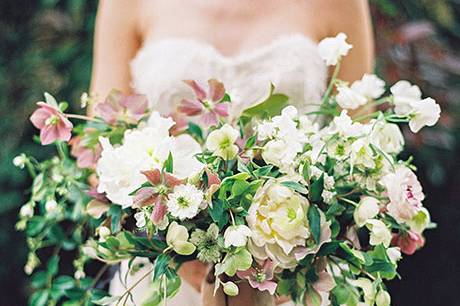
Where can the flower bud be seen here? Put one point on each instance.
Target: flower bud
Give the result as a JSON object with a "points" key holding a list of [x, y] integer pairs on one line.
{"points": [[231, 289], [383, 298], [103, 232], [19, 161], [27, 211], [51, 206]]}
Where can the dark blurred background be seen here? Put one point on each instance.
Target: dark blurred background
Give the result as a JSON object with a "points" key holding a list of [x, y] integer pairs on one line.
{"points": [[47, 45]]}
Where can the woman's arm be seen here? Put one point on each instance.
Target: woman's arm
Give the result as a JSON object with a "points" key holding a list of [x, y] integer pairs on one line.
{"points": [[116, 41], [353, 18]]}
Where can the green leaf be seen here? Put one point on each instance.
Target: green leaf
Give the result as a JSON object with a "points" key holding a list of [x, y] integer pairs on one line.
{"points": [[169, 164], [112, 243], [295, 186], [250, 142], [195, 130], [341, 294], [306, 171], [39, 298], [114, 213], [39, 279], [268, 108], [106, 300], [53, 266], [160, 266], [238, 188], [262, 171], [316, 189], [64, 282], [314, 220]]}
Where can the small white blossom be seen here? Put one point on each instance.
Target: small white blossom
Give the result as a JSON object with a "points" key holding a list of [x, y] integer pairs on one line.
{"points": [[140, 219], [362, 154], [425, 112], [177, 239], [265, 130], [315, 172], [331, 49], [329, 182], [185, 201], [370, 86], [51, 206], [20, 161], [394, 254], [348, 98], [328, 196], [103, 232], [236, 235], [222, 142], [404, 93], [383, 298], [387, 137], [79, 274], [380, 234], [26, 211], [367, 209]]}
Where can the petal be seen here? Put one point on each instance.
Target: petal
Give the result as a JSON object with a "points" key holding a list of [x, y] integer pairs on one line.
{"points": [[159, 211], [247, 274], [216, 90], [325, 283], [144, 196], [221, 109], [97, 208], [209, 119], [190, 107], [48, 134], [172, 181], [197, 89], [39, 117], [184, 248], [269, 286], [136, 104], [153, 176]]}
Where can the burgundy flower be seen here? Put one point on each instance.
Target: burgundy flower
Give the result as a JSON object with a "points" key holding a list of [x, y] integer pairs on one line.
{"points": [[156, 194], [209, 105], [52, 123], [86, 156], [261, 276], [408, 242], [118, 106]]}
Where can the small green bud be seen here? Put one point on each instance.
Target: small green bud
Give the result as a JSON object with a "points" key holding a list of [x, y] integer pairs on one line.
{"points": [[231, 289], [383, 298]]}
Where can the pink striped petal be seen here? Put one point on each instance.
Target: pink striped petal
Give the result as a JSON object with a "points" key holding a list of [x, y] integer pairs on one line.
{"points": [[159, 211], [216, 90], [190, 108], [209, 119], [197, 89], [153, 176], [48, 134], [171, 181], [221, 109], [144, 196], [39, 117]]}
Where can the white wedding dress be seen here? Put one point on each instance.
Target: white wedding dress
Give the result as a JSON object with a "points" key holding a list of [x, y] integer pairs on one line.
{"points": [[290, 62]]}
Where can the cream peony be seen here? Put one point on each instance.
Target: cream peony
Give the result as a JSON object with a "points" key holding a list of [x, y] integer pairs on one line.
{"points": [[332, 49], [119, 167], [277, 219]]}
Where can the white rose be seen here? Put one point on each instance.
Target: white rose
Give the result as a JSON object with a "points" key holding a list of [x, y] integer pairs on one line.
{"points": [[370, 86], [348, 98], [380, 234], [222, 142], [404, 93], [331, 49], [387, 137], [236, 235], [367, 209], [425, 112]]}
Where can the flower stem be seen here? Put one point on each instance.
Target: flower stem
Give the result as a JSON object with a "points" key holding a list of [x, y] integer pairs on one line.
{"points": [[331, 83], [82, 117]]}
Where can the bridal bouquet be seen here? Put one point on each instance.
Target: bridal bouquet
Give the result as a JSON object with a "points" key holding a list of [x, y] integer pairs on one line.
{"points": [[314, 206]]}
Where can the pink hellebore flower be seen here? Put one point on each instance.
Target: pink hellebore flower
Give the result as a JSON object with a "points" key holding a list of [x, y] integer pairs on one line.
{"points": [[261, 277], [208, 105], [162, 184], [52, 123], [408, 242], [117, 106], [86, 156]]}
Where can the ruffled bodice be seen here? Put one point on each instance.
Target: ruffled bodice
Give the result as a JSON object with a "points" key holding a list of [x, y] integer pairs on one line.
{"points": [[291, 63]]}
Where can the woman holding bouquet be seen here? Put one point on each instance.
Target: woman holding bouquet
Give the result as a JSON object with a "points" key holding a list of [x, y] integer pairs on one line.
{"points": [[151, 46]]}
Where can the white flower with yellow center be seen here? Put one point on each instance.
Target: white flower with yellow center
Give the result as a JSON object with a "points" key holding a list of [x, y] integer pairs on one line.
{"points": [[222, 142], [185, 201]]}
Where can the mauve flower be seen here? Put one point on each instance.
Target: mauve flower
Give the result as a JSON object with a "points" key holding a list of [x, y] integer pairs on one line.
{"points": [[162, 184], [86, 156], [208, 104], [52, 123], [260, 277], [408, 242], [118, 106]]}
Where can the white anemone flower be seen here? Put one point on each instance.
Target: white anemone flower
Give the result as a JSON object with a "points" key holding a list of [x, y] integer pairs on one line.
{"points": [[185, 201]]}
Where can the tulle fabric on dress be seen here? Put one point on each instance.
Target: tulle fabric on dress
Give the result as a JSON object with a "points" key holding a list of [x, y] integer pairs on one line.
{"points": [[291, 63]]}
